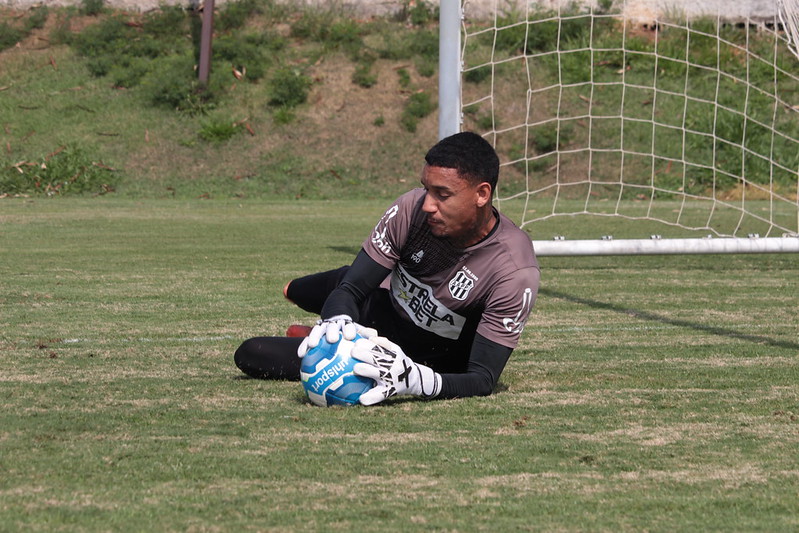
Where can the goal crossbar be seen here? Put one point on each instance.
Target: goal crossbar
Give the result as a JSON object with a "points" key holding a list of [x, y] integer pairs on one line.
{"points": [[658, 246]]}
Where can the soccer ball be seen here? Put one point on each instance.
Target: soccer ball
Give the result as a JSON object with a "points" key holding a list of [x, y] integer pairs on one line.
{"points": [[327, 377]]}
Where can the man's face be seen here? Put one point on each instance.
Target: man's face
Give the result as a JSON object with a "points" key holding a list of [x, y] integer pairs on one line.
{"points": [[453, 205]]}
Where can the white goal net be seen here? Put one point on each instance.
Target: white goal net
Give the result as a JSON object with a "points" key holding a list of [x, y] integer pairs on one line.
{"points": [[686, 125]]}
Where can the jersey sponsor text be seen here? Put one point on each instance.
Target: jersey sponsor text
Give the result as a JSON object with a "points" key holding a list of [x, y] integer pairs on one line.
{"points": [[418, 302]]}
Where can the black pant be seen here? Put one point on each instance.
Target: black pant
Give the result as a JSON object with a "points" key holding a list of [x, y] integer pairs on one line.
{"points": [[276, 357]]}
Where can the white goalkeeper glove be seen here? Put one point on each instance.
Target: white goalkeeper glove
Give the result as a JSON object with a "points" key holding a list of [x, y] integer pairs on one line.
{"points": [[339, 326], [395, 373]]}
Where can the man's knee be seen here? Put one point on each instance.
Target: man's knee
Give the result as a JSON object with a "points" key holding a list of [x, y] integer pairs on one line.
{"points": [[286, 292], [310, 292], [246, 361]]}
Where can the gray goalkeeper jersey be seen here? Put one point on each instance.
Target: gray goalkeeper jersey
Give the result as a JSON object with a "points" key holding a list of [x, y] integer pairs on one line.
{"points": [[440, 288]]}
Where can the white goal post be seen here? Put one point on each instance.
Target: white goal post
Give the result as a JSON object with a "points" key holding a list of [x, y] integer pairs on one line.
{"points": [[683, 126]]}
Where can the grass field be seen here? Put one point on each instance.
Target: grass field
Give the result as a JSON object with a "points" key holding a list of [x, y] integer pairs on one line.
{"points": [[648, 394]]}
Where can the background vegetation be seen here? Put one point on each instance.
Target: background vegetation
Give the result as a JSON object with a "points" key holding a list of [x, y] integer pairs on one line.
{"points": [[310, 102], [301, 102]]}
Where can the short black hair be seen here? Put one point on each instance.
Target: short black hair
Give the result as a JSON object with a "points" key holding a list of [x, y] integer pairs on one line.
{"points": [[472, 156]]}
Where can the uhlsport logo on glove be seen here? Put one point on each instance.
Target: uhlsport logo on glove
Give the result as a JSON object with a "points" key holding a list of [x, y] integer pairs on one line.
{"points": [[327, 376]]}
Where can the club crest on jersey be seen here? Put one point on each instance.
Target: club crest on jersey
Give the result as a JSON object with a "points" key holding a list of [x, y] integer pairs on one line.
{"points": [[460, 285]]}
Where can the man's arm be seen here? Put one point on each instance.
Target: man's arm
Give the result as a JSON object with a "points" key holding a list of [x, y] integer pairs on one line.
{"points": [[486, 362], [341, 309], [364, 276]]}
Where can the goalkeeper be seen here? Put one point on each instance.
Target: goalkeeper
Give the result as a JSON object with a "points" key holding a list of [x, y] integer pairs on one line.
{"points": [[445, 279]]}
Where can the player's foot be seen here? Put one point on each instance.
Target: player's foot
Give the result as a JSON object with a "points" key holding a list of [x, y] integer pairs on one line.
{"points": [[297, 330]]}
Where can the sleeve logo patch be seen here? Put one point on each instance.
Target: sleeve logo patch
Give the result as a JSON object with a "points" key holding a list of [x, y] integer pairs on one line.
{"points": [[516, 324], [381, 229]]}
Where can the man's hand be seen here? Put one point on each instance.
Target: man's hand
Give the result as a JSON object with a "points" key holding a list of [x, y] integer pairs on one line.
{"points": [[331, 329], [395, 373]]}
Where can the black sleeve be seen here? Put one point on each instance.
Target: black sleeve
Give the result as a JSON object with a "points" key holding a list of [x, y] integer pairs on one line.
{"points": [[364, 276], [486, 362]]}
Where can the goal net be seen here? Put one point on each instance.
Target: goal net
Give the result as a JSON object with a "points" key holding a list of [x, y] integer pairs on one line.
{"points": [[684, 127]]}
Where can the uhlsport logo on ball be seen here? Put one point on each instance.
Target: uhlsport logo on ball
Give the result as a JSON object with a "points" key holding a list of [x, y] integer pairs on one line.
{"points": [[327, 376]]}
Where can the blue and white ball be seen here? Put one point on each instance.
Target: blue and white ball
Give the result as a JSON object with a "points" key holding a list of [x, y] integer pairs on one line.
{"points": [[327, 376]]}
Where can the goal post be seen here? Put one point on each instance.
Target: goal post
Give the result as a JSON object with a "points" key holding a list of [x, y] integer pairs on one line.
{"points": [[684, 122], [449, 68]]}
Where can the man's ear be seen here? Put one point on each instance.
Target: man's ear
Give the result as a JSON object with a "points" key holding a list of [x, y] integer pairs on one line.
{"points": [[483, 193]]}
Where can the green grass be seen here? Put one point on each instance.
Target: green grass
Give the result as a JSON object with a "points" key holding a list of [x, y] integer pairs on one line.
{"points": [[654, 393]]}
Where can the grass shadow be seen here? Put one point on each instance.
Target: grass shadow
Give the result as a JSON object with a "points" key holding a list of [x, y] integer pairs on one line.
{"points": [[653, 317], [349, 250]]}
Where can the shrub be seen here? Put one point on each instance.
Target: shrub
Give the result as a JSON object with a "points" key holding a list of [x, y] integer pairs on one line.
{"points": [[406, 44], [172, 83], [235, 14], [511, 36], [541, 31], [363, 75], [345, 35], [418, 13], [283, 115], [129, 73], [313, 25], [425, 66], [9, 36], [246, 52], [418, 106], [125, 51], [545, 140], [422, 13], [288, 88], [37, 18], [216, 129], [477, 75], [167, 24], [332, 31], [404, 78], [109, 39], [424, 43], [92, 8], [604, 6]]}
